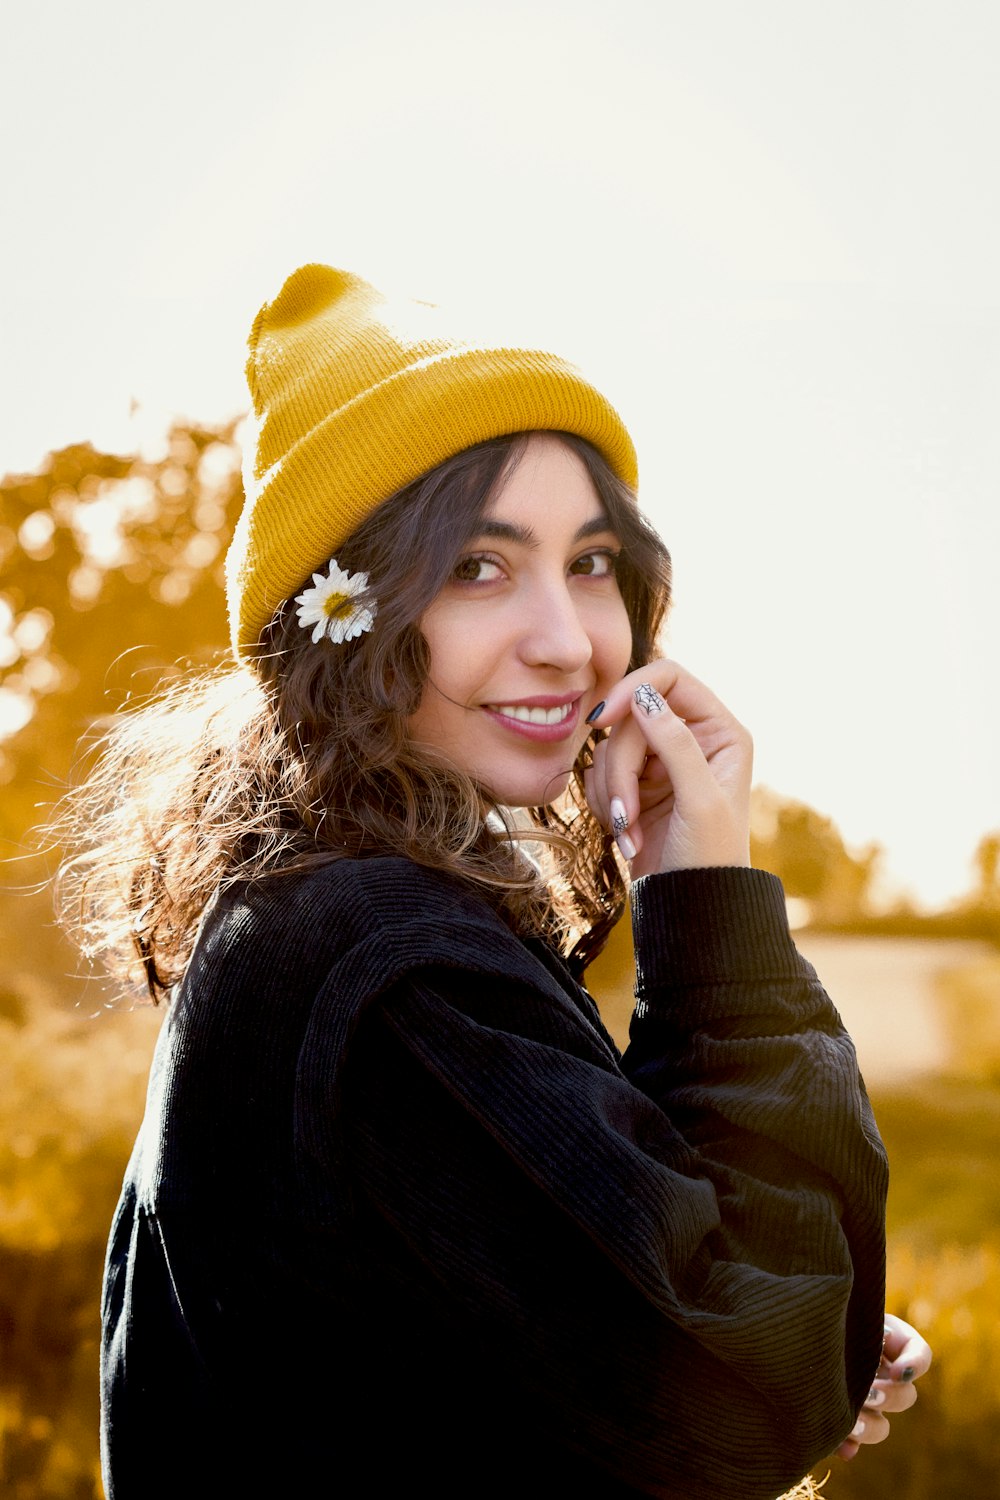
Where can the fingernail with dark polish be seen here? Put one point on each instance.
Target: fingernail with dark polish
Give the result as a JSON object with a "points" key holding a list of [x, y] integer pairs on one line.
{"points": [[908, 1373], [595, 713]]}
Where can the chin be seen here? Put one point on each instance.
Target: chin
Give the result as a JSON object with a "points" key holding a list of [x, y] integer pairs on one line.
{"points": [[538, 793]]}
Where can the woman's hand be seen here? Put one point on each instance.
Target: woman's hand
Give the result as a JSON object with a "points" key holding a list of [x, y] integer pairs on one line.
{"points": [[672, 779], [905, 1357]]}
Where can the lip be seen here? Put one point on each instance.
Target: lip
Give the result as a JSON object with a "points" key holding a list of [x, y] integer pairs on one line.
{"points": [[544, 734]]}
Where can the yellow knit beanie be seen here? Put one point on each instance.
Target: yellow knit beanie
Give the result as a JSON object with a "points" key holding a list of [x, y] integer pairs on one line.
{"points": [[355, 398]]}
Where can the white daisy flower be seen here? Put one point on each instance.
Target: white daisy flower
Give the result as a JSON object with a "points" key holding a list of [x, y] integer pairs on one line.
{"points": [[330, 605]]}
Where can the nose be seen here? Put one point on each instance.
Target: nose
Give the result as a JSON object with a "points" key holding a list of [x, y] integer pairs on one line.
{"points": [[553, 633]]}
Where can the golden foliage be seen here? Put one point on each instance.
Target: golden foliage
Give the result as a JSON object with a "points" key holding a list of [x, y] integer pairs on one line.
{"points": [[71, 1092], [97, 551], [970, 1011]]}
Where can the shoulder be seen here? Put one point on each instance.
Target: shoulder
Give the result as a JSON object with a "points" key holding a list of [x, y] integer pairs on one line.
{"points": [[356, 898], [367, 920]]}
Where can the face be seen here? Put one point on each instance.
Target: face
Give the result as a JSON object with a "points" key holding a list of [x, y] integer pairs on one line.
{"points": [[529, 633]]}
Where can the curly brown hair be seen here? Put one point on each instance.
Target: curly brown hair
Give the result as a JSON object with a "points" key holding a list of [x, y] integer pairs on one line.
{"points": [[303, 756]]}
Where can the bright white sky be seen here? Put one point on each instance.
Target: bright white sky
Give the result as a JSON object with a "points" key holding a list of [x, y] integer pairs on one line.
{"points": [[771, 230]]}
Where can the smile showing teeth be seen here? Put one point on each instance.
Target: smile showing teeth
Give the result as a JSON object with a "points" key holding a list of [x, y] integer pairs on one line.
{"points": [[556, 715]]}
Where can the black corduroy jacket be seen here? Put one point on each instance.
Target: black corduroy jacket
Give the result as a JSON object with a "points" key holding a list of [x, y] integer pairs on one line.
{"points": [[400, 1215]]}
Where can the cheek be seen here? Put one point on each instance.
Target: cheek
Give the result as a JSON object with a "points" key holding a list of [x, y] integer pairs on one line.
{"points": [[447, 662], [616, 648], [447, 684]]}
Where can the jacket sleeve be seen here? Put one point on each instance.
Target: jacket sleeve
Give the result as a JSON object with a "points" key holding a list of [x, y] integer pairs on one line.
{"points": [[680, 1252]]}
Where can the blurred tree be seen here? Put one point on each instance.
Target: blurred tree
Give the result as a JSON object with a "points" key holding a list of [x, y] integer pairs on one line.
{"points": [[806, 850], [97, 553], [987, 865]]}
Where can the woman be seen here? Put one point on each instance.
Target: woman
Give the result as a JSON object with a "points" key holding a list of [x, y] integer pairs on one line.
{"points": [[399, 1213]]}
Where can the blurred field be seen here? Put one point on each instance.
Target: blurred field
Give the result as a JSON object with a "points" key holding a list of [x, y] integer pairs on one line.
{"points": [[71, 1091]]}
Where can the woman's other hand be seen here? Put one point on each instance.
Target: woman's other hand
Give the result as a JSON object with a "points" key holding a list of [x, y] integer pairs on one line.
{"points": [[672, 778], [905, 1357]]}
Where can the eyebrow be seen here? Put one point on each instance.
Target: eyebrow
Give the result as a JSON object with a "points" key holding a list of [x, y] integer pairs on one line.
{"points": [[507, 531]]}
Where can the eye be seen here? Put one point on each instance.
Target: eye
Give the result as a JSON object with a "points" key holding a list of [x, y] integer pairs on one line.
{"points": [[595, 564], [475, 569]]}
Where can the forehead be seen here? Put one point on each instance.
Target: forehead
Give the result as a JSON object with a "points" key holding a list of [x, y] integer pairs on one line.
{"points": [[548, 487]]}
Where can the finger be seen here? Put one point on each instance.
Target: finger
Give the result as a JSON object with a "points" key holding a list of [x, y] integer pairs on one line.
{"points": [[891, 1396], [616, 708], [655, 787], [713, 817], [701, 817], [595, 785], [871, 1427], [623, 760], [668, 738], [906, 1355], [680, 764], [688, 697], [610, 811], [719, 737], [654, 778]]}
